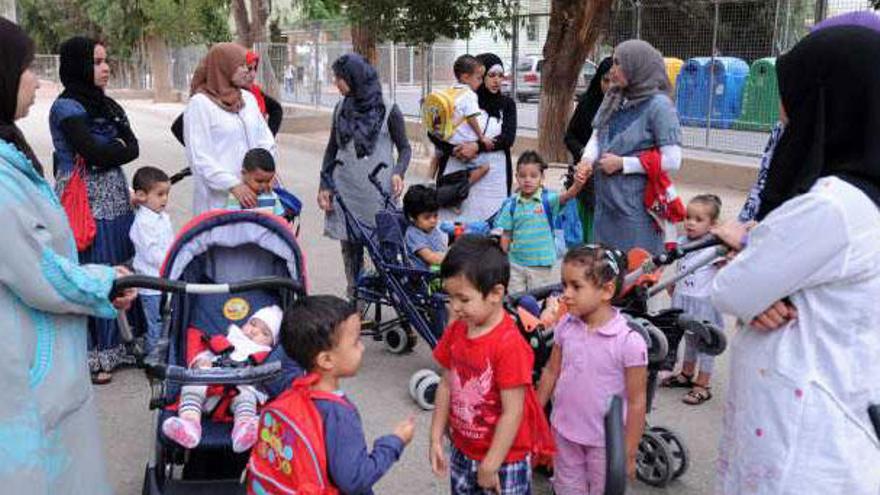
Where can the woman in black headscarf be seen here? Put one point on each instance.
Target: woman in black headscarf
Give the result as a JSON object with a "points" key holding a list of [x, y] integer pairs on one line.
{"points": [[580, 128], [48, 422], [90, 128], [365, 133], [800, 388], [498, 120]]}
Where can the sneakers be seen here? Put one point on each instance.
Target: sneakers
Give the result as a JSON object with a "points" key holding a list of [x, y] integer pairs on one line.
{"points": [[184, 432], [244, 434]]}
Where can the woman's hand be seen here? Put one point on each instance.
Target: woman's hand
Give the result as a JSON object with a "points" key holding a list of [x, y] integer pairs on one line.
{"points": [[246, 198], [325, 200], [466, 151], [732, 233], [582, 173], [777, 315], [396, 185], [611, 163], [123, 302]]}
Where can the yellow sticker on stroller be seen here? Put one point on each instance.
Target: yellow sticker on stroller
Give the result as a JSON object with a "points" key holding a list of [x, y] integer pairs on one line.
{"points": [[236, 309]]}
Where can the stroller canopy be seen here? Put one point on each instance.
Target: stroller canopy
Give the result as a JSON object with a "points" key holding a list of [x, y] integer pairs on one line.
{"points": [[236, 246]]}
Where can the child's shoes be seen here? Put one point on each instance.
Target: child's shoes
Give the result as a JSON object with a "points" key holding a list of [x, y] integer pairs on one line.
{"points": [[244, 434], [185, 432]]}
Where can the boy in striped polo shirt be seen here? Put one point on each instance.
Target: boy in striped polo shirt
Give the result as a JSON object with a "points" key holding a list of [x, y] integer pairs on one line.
{"points": [[528, 237]]}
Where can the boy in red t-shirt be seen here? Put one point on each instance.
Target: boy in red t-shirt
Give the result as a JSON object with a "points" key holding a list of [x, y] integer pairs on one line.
{"points": [[481, 398]]}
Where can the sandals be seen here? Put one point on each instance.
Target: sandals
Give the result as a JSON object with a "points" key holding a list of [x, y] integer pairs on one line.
{"points": [[678, 381], [698, 395], [101, 378]]}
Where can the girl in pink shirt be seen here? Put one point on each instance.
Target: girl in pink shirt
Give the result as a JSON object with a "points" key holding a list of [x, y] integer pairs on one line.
{"points": [[595, 355]]}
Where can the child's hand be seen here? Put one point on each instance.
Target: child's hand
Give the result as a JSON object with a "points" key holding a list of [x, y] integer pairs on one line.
{"points": [[405, 429], [202, 364], [437, 458], [582, 173], [488, 143], [487, 478]]}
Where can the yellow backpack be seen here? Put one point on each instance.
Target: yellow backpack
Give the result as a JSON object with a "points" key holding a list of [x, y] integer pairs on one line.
{"points": [[438, 113]]}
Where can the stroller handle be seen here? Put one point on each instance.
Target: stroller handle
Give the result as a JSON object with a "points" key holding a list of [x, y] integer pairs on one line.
{"points": [[176, 286], [215, 376], [615, 448]]}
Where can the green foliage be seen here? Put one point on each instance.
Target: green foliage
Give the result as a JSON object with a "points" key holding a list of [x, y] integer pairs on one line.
{"points": [[50, 22], [421, 21], [122, 24]]}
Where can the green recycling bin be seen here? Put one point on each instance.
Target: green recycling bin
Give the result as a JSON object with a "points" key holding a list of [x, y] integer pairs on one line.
{"points": [[760, 108]]}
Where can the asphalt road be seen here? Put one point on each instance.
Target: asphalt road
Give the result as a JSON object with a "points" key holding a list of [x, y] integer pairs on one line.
{"points": [[380, 388]]}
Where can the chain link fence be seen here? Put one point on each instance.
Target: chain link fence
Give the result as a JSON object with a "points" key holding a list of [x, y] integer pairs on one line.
{"points": [[720, 56]]}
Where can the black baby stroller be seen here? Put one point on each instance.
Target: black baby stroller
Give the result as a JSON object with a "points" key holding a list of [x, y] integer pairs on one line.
{"points": [[412, 292], [663, 455], [223, 266]]}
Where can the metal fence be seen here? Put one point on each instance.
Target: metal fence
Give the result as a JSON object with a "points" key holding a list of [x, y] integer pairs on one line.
{"points": [[720, 55]]}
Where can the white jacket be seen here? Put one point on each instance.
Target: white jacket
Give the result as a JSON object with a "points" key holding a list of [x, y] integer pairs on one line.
{"points": [[216, 142], [796, 411]]}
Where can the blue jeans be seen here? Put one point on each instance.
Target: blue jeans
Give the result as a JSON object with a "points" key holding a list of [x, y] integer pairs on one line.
{"points": [[151, 304]]}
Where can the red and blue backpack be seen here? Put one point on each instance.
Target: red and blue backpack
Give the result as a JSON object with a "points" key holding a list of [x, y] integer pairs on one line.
{"points": [[290, 456]]}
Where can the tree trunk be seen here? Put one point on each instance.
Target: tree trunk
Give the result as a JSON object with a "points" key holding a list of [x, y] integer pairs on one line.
{"points": [[259, 20], [159, 65], [243, 35], [575, 25], [363, 40]]}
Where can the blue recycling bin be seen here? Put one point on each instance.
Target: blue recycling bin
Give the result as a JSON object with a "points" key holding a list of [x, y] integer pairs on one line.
{"points": [[727, 86]]}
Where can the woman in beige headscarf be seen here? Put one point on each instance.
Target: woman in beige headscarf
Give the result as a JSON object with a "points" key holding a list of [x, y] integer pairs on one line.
{"points": [[221, 123]]}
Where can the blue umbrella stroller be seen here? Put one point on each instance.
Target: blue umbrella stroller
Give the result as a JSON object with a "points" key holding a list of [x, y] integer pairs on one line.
{"points": [[223, 267], [413, 293]]}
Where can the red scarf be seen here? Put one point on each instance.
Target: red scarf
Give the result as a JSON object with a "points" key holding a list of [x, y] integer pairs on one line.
{"points": [[256, 90], [661, 199]]}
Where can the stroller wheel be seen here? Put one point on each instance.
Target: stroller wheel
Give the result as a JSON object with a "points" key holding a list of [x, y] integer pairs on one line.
{"points": [[710, 339], [399, 340], [426, 391], [654, 463], [417, 377], [677, 449]]}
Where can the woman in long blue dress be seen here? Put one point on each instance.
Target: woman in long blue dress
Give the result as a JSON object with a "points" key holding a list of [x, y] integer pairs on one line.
{"points": [[89, 127], [49, 437]]}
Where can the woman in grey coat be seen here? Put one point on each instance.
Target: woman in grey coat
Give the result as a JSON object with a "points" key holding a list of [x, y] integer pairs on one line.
{"points": [[365, 132], [636, 115]]}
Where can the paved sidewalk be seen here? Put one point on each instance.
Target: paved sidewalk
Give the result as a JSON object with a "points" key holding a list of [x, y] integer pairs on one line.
{"points": [[380, 389]]}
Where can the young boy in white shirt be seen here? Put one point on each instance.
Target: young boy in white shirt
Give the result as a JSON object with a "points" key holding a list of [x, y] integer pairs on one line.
{"points": [[469, 74], [152, 235]]}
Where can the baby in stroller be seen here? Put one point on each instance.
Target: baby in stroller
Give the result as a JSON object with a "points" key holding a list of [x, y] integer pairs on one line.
{"points": [[246, 345]]}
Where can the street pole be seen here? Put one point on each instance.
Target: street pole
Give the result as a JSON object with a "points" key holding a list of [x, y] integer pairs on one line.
{"points": [[712, 75]]}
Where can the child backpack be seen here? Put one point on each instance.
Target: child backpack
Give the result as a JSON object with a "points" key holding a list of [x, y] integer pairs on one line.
{"points": [[290, 456], [556, 229], [438, 113]]}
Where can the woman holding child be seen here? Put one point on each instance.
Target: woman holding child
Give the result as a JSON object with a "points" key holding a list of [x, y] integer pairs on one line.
{"points": [[222, 121], [637, 114], [48, 421], [365, 133], [498, 120], [93, 138]]}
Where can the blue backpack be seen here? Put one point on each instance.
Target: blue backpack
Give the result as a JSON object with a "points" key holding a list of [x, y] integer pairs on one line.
{"points": [[567, 229]]}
